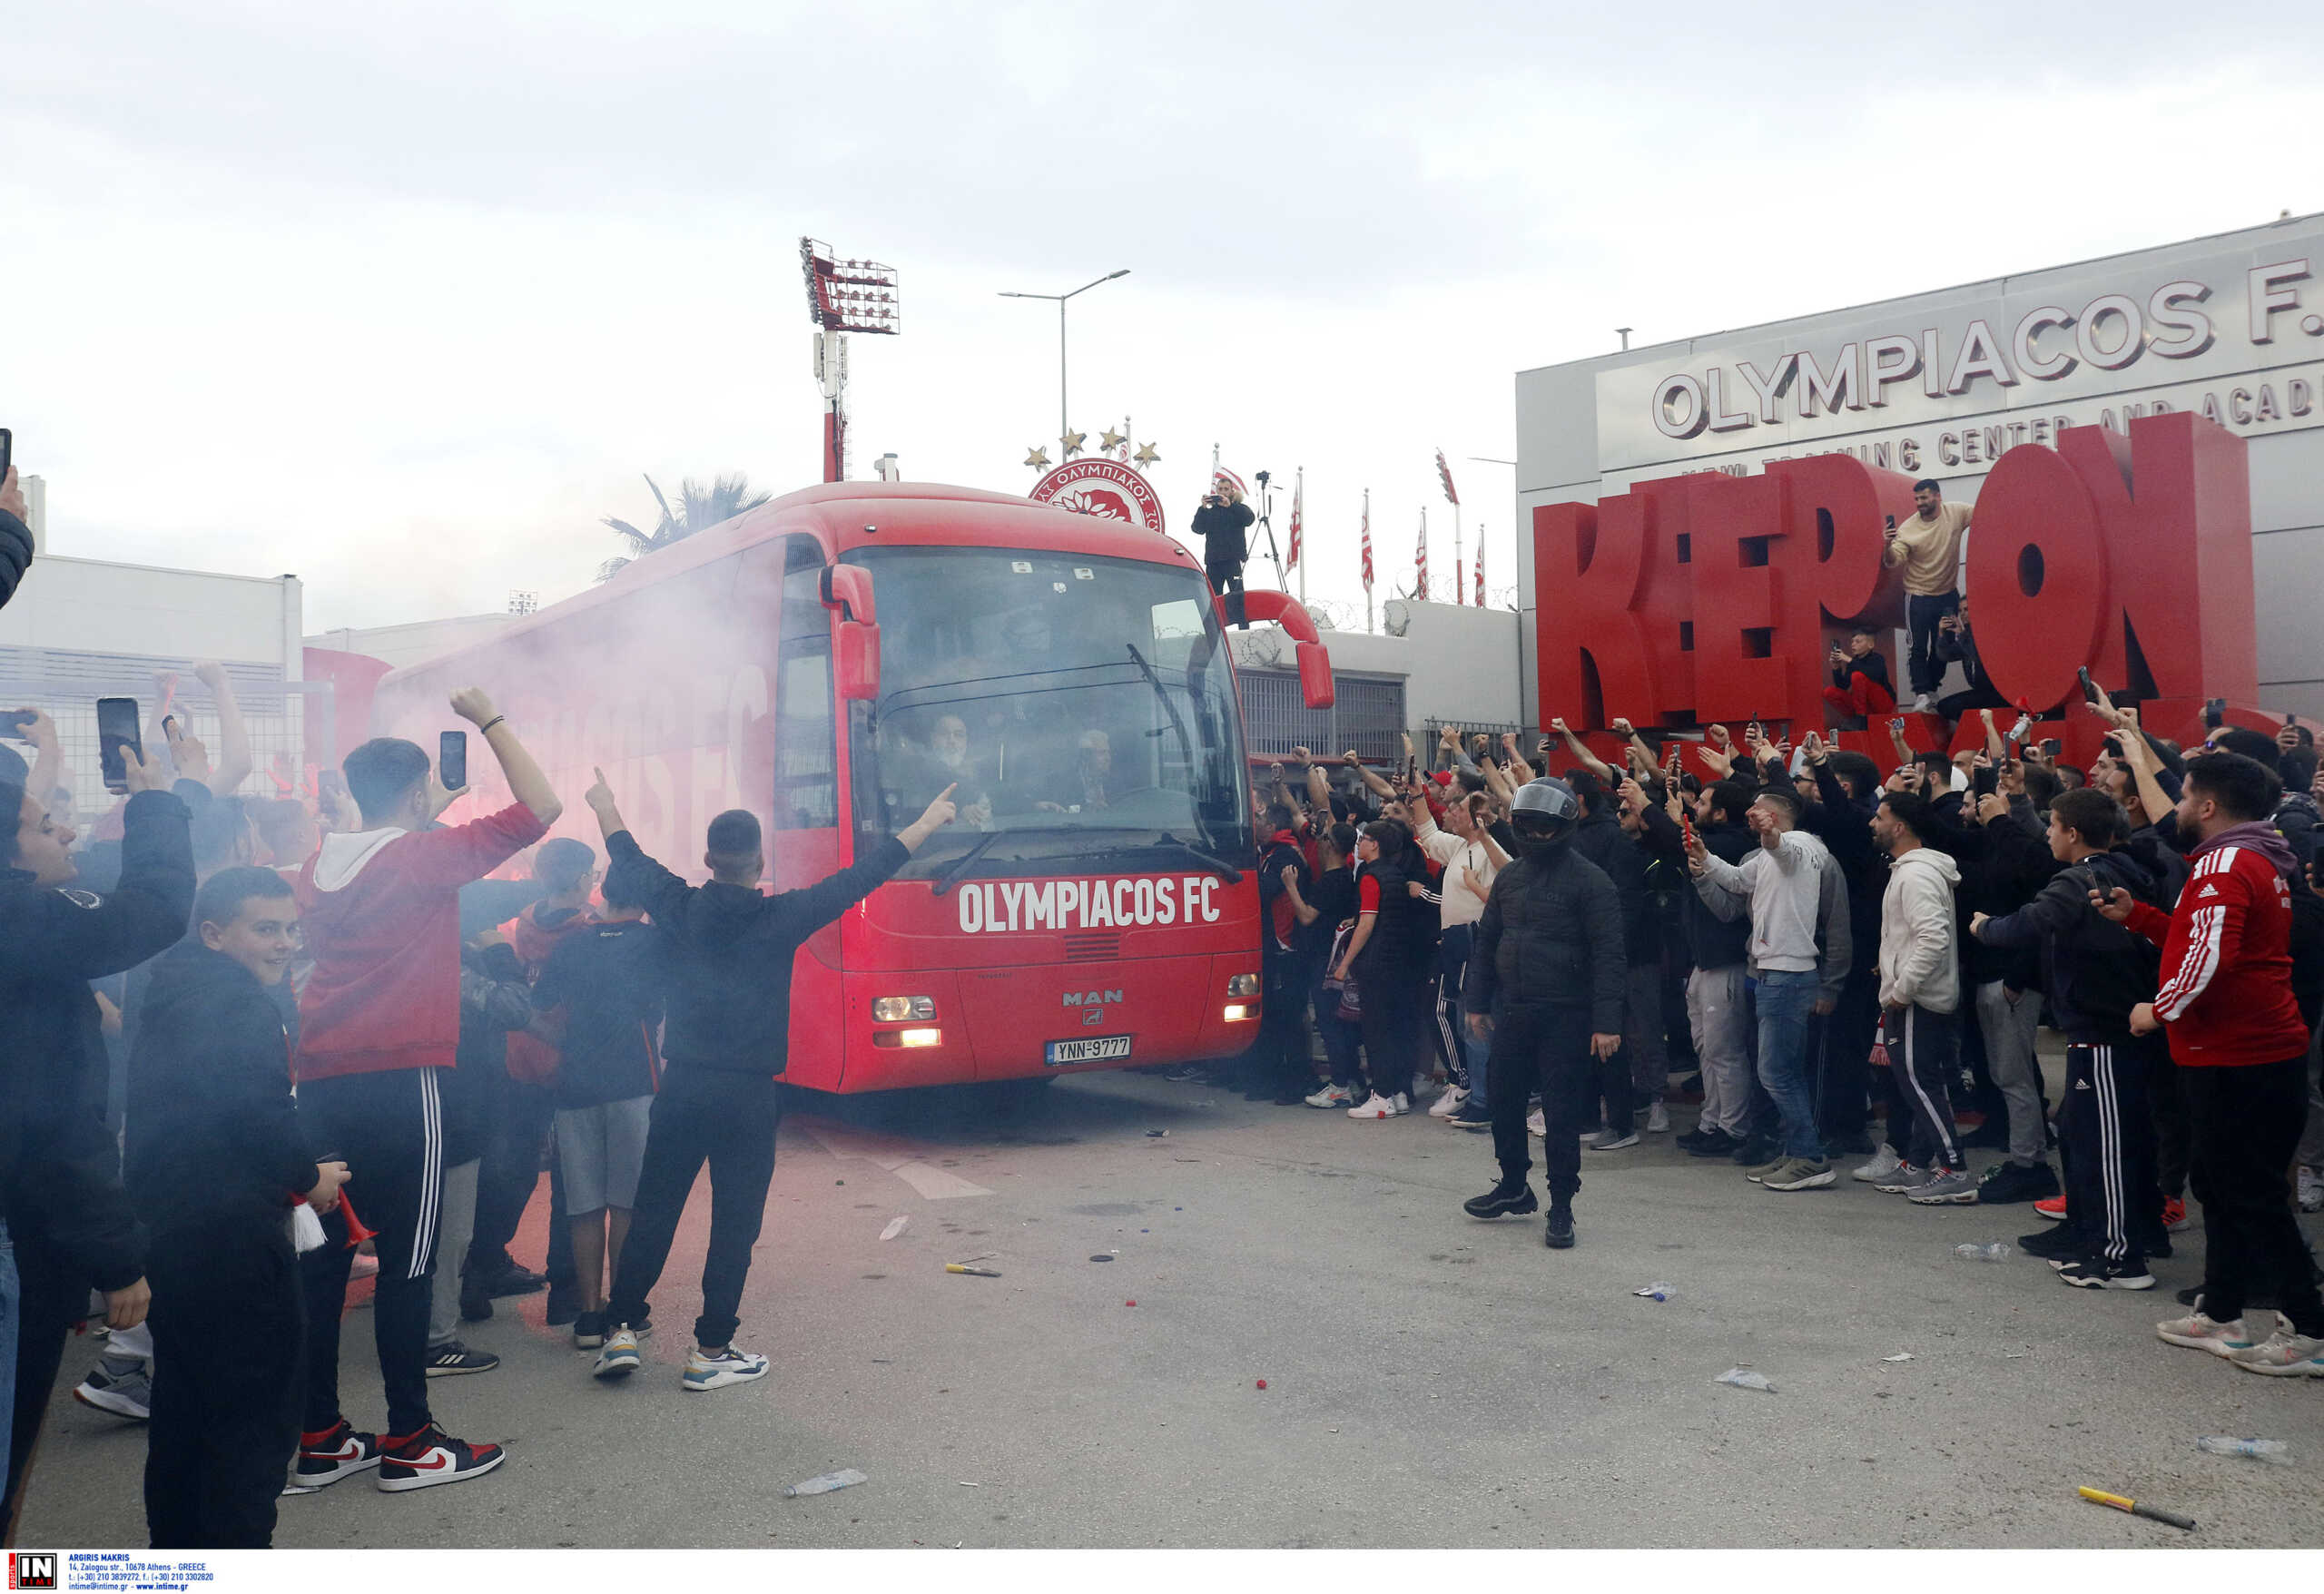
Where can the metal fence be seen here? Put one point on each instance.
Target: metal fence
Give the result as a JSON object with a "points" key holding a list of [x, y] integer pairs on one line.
{"points": [[278, 714], [1368, 717], [1468, 728]]}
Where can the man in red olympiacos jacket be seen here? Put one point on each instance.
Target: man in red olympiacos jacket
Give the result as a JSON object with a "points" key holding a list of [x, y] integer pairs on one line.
{"points": [[378, 1017], [2226, 1003]]}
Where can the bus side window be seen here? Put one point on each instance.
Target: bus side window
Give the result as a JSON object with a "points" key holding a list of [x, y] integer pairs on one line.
{"points": [[806, 762]]}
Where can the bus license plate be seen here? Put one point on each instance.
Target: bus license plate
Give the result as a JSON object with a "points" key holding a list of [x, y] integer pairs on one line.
{"points": [[1097, 1048]]}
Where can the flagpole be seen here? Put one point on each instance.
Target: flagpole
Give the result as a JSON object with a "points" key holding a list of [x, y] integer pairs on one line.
{"points": [[1367, 555], [1457, 596], [1298, 495]]}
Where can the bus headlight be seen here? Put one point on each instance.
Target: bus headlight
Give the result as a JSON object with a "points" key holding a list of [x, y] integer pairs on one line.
{"points": [[903, 1010], [1236, 1012], [1243, 985]]}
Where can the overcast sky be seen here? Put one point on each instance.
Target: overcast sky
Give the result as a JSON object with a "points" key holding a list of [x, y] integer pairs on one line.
{"points": [[402, 298]]}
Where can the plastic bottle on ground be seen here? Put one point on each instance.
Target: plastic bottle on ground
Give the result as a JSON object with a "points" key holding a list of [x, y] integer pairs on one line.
{"points": [[1997, 1250], [2258, 1450]]}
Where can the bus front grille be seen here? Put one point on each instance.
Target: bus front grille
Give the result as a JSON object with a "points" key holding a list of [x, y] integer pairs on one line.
{"points": [[1092, 948]]}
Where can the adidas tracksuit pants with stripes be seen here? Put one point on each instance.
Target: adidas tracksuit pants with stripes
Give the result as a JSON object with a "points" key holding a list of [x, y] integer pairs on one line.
{"points": [[1924, 1049], [2106, 1141], [389, 1128]]}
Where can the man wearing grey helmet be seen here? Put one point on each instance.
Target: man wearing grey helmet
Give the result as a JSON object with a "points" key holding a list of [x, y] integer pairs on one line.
{"points": [[1545, 987]]}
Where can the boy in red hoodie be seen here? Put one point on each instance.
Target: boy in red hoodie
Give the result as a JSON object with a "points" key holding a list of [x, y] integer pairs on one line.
{"points": [[2241, 1050], [379, 1014]]}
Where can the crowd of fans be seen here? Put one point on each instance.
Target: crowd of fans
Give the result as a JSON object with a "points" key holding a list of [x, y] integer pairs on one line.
{"points": [[233, 1021], [1858, 963]]}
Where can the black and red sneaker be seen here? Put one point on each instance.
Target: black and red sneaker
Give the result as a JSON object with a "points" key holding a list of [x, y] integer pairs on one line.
{"points": [[431, 1456], [327, 1456]]}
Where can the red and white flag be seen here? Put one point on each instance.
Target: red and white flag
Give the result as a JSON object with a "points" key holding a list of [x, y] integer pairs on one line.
{"points": [[1481, 566], [1420, 585], [1298, 492], [1444, 475], [1367, 539]]}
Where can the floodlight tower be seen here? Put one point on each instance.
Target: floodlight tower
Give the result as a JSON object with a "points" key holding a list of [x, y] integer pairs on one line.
{"points": [[844, 296]]}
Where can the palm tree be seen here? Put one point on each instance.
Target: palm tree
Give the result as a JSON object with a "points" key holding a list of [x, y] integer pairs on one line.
{"points": [[699, 508]]}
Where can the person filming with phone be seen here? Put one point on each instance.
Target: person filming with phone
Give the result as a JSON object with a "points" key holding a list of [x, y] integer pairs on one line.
{"points": [[379, 1017], [1223, 522], [16, 531], [61, 1196]]}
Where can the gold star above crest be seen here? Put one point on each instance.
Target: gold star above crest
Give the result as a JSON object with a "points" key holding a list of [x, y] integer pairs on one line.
{"points": [[1110, 439], [1039, 458], [1145, 454], [1072, 441]]}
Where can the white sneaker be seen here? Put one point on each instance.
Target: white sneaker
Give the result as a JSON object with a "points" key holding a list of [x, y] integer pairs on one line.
{"points": [[1536, 1125], [1447, 1102], [2201, 1332], [1376, 1106], [1885, 1164], [1404, 1103], [1332, 1095], [1923, 704], [1658, 1119], [2312, 1190], [2284, 1354], [1424, 1085], [705, 1371]]}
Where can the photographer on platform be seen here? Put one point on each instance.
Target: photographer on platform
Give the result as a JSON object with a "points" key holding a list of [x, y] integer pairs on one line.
{"points": [[1223, 522]]}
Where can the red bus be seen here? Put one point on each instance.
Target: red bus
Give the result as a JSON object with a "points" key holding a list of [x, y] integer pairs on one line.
{"points": [[832, 660]]}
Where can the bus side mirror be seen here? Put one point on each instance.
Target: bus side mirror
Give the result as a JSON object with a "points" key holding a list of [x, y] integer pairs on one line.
{"points": [[855, 641], [1315, 675], [847, 588]]}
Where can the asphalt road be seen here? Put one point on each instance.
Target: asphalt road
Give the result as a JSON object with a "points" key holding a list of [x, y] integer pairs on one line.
{"points": [[1429, 1380]]}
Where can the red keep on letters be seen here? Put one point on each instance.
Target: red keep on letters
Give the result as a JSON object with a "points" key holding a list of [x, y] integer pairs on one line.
{"points": [[1709, 597]]}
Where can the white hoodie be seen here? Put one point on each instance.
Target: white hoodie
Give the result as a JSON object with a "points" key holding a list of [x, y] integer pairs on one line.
{"points": [[1920, 960]]}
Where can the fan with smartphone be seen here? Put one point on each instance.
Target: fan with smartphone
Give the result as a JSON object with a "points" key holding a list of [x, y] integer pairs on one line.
{"points": [[118, 741]]}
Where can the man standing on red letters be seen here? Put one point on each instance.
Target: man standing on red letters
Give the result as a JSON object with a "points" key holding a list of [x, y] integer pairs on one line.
{"points": [[2226, 1003], [379, 1014], [1928, 546]]}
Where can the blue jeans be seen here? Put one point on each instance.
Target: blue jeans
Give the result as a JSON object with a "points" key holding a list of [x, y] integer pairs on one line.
{"points": [[7, 1344], [1786, 1003]]}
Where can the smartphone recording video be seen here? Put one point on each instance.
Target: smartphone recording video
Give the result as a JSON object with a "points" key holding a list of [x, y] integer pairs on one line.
{"points": [[452, 760], [118, 739]]}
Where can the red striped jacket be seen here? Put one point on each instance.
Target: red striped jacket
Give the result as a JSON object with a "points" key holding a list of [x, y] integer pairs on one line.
{"points": [[2225, 998]]}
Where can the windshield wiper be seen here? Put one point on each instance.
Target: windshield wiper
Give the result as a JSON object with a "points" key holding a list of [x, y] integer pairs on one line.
{"points": [[1218, 865], [959, 866], [1196, 771]]}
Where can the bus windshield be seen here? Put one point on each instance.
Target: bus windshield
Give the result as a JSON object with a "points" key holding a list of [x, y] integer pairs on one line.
{"points": [[1083, 707]]}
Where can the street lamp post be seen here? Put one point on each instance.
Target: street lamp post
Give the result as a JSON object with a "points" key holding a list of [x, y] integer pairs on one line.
{"points": [[1063, 426]]}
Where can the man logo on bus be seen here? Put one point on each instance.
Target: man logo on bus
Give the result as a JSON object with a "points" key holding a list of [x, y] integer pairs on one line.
{"points": [[1091, 999]]}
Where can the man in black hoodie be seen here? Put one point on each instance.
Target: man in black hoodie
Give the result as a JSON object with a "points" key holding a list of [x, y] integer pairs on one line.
{"points": [[1634, 1080], [1718, 951], [1221, 522], [729, 947], [2095, 972], [216, 1160], [60, 1173], [1848, 786]]}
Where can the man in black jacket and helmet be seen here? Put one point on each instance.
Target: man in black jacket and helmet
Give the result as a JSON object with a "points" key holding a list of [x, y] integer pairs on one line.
{"points": [[1545, 987]]}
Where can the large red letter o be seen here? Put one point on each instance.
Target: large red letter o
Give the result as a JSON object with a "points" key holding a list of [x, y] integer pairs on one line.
{"points": [[2037, 576]]}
